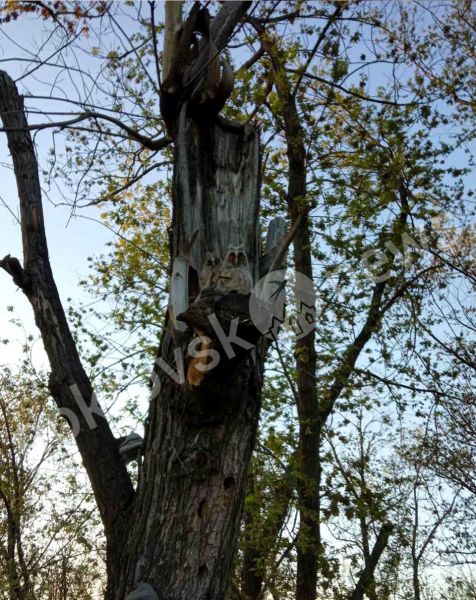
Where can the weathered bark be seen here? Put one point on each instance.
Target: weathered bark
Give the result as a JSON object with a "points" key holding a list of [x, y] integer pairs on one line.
{"points": [[109, 478], [200, 438], [172, 24], [197, 72]]}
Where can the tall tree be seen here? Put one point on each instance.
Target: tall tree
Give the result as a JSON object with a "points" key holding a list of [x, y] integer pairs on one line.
{"points": [[170, 534], [350, 166]]}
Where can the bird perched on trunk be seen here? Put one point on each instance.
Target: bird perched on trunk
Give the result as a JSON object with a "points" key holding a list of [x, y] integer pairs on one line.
{"points": [[210, 272], [235, 273]]}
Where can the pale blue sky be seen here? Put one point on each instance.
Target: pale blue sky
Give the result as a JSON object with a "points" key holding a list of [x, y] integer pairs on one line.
{"points": [[71, 240]]}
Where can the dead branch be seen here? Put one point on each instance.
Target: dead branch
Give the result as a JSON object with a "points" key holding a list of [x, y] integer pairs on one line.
{"points": [[108, 475]]}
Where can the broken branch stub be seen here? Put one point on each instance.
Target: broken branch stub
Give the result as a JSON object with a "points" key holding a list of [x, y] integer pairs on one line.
{"points": [[197, 73]]}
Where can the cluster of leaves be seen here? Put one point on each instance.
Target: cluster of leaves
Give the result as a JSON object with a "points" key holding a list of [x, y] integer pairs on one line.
{"points": [[70, 15]]}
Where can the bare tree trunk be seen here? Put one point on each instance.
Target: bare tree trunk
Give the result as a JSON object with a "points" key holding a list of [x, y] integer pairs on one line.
{"points": [[367, 575], [69, 384], [200, 437]]}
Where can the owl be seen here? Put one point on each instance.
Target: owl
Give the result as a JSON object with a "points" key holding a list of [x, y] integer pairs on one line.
{"points": [[235, 273], [210, 272]]}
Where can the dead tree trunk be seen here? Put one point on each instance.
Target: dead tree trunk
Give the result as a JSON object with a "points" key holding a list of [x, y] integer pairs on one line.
{"points": [[200, 437], [175, 538], [69, 384], [202, 421]]}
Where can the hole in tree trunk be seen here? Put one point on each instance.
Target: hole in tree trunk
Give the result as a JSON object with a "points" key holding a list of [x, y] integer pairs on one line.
{"points": [[201, 459], [202, 570], [193, 285], [201, 508], [229, 483]]}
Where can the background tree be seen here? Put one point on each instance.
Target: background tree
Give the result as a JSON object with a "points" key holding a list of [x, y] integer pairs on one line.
{"points": [[47, 522]]}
